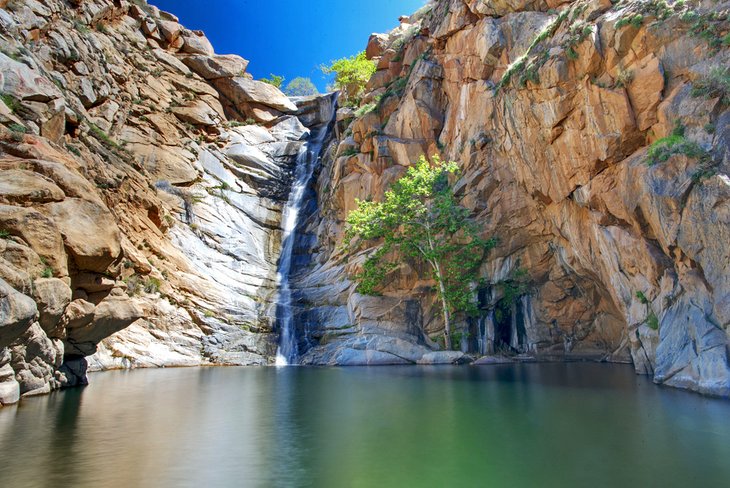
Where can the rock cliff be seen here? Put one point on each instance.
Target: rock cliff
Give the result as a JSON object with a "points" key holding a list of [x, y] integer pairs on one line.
{"points": [[594, 142], [142, 179], [143, 176]]}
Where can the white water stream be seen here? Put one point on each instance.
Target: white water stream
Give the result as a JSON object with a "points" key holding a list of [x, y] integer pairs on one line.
{"points": [[306, 162]]}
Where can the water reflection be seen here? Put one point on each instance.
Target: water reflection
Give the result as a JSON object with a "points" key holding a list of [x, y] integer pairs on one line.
{"points": [[502, 426]]}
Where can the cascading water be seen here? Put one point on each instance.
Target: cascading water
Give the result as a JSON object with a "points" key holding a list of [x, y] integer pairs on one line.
{"points": [[306, 162]]}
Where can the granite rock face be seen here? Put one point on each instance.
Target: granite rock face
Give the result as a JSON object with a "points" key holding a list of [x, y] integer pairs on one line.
{"points": [[551, 110], [140, 205], [143, 176]]}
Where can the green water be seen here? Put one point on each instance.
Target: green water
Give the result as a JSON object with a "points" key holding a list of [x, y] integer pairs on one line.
{"points": [[536, 425]]}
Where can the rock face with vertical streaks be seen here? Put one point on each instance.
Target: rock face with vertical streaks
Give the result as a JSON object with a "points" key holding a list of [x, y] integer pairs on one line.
{"points": [[553, 111]]}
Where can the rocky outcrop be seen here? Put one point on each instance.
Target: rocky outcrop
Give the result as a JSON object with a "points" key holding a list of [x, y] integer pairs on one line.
{"points": [[18, 313], [140, 195], [142, 180], [555, 112]]}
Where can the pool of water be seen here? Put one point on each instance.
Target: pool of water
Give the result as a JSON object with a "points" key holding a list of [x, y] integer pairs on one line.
{"points": [[524, 425]]}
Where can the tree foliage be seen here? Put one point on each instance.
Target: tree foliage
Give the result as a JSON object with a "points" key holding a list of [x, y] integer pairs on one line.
{"points": [[275, 80], [420, 219], [301, 87], [351, 75]]}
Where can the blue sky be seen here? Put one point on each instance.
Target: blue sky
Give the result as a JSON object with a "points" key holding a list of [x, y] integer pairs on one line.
{"points": [[289, 37]]}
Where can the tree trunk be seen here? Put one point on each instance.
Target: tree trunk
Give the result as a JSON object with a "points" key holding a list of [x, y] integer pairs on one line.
{"points": [[447, 316]]}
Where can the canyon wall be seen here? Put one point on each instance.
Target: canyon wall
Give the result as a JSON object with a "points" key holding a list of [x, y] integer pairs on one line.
{"points": [[612, 239], [142, 179]]}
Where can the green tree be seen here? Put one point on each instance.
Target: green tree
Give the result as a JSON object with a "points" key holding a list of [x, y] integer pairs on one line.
{"points": [[420, 218], [275, 80], [301, 87], [351, 75]]}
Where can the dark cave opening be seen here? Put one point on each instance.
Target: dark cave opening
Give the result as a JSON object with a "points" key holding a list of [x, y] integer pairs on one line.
{"points": [[510, 335]]}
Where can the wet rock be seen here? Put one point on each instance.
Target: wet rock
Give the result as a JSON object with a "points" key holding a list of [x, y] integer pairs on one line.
{"points": [[254, 158], [492, 360], [367, 349], [9, 386], [290, 129], [357, 357], [72, 371], [693, 351], [445, 357], [35, 358]]}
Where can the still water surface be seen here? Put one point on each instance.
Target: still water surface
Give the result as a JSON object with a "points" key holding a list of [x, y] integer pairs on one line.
{"points": [[533, 425]]}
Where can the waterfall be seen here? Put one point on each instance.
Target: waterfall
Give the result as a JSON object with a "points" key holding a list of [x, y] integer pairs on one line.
{"points": [[486, 333], [529, 321], [306, 162]]}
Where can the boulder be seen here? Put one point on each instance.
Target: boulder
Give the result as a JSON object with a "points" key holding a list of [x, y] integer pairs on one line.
{"points": [[73, 371], [692, 351], [445, 357], [195, 42], [251, 134], [240, 91], [89, 232], [168, 163], [290, 129], [69, 180], [112, 314], [358, 357], [261, 113], [253, 158], [170, 30], [19, 186], [171, 60], [17, 313], [93, 283], [196, 113], [485, 360], [9, 386], [377, 45], [35, 358], [78, 315], [52, 296], [218, 66], [149, 26], [19, 264], [40, 232], [314, 110], [25, 83]]}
